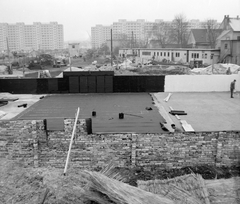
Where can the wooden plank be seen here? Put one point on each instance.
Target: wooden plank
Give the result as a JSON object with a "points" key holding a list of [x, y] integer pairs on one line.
{"points": [[100, 84], [71, 141], [187, 128], [92, 84], [108, 84], [74, 84], [83, 84]]}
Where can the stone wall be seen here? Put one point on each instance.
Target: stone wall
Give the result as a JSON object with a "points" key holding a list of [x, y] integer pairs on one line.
{"points": [[29, 142]]}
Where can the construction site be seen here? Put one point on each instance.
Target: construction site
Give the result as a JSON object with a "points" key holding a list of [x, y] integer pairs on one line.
{"points": [[102, 133]]}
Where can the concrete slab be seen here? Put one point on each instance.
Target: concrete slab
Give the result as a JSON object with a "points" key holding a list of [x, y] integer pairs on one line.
{"points": [[11, 110], [214, 111]]}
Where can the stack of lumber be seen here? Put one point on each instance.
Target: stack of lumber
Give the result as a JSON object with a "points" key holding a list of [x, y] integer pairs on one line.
{"points": [[178, 112]]}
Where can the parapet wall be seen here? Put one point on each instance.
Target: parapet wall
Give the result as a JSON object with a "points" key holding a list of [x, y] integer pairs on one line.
{"points": [[28, 142]]}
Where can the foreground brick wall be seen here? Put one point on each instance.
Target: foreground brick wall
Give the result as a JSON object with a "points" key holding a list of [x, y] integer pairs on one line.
{"points": [[29, 142]]}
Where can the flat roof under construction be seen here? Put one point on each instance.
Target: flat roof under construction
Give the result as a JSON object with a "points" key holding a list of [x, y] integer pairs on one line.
{"points": [[211, 111], [140, 114]]}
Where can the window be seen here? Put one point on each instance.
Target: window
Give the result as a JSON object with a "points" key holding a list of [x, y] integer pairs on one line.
{"points": [[161, 53], [238, 37], [177, 54], [157, 53], [168, 54], [212, 56], [164, 54], [226, 46], [73, 46], [205, 55], [146, 53]]}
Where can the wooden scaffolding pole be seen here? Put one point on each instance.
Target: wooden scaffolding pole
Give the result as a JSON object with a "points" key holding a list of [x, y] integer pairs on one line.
{"points": [[71, 141]]}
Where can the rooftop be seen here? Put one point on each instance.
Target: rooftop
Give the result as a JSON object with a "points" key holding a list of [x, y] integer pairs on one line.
{"points": [[208, 111]]}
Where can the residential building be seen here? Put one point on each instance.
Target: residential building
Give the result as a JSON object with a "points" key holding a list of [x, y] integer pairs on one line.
{"points": [[229, 40], [44, 36], [99, 35]]}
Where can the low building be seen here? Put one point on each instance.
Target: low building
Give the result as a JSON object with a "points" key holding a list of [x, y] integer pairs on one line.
{"points": [[181, 55], [73, 49]]}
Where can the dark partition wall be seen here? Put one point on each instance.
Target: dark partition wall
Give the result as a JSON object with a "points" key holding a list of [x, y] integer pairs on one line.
{"points": [[85, 82], [138, 83]]}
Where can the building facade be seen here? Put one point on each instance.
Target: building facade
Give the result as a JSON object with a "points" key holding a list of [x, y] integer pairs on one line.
{"points": [[99, 35], [181, 55], [43, 36]]}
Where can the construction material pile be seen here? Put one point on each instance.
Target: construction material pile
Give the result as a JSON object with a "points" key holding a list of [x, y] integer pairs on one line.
{"points": [[217, 69], [192, 188], [21, 184]]}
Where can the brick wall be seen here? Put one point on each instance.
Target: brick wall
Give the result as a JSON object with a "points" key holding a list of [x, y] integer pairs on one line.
{"points": [[29, 142]]}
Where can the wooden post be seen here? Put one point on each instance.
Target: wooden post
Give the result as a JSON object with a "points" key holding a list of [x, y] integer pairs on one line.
{"points": [[111, 50], [71, 141]]}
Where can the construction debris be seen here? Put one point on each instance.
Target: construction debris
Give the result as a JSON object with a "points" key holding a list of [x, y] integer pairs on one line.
{"points": [[187, 127], [168, 97], [177, 112], [217, 69]]}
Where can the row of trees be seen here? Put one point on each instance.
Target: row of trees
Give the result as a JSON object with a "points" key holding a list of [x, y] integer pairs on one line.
{"points": [[177, 32]]}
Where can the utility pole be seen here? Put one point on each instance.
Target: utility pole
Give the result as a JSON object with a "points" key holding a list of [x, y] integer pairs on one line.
{"points": [[9, 60], [111, 50]]}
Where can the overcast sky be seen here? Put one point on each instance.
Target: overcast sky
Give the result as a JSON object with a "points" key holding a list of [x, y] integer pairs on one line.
{"points": [[78, 16]]}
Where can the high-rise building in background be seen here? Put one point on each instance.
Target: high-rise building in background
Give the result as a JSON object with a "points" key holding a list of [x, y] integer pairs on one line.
{"points": [[99, 35], [138, 30], [43, 36]]}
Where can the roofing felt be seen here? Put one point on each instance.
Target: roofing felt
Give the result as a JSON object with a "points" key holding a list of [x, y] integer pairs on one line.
{"points": [[235, 24], [135, 107]]}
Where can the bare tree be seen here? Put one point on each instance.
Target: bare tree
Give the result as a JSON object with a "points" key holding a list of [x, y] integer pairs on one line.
{"points": [[179, 30], [213, 32], [161, 32]]}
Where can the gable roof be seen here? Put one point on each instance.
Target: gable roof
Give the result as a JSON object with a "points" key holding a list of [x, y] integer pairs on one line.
{"points": [[223, 34], [201, 35], [235, 23]]}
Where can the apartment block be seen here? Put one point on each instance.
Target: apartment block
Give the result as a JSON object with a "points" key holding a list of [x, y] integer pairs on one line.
{"points": [[99, 35], [44, 36]]}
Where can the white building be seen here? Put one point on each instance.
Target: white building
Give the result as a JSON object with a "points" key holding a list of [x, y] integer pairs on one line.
{"points": [[44, 36], [73, 49]]}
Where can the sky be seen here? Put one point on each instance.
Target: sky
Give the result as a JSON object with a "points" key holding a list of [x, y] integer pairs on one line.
{"points": [[78, 16]]}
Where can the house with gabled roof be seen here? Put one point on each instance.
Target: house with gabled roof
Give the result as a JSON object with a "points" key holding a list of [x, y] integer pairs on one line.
{"points": [[203, 38], [229, 40]]}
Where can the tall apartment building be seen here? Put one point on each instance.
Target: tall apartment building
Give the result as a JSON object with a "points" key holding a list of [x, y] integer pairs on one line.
{"points": [[99, 35], [44, 36]]}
